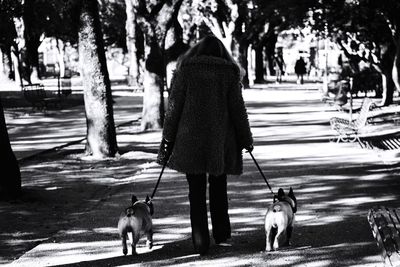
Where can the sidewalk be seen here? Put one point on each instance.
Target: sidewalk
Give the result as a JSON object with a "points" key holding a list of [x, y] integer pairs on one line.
{"points": [[70, 214]]}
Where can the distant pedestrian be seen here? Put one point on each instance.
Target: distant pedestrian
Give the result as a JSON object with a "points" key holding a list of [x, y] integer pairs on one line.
{"points": [[300, 69], [280, 66], [205, 129]]}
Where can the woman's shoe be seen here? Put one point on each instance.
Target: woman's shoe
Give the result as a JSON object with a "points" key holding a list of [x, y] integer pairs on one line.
{"points": [[223, 244], [201, 241]]}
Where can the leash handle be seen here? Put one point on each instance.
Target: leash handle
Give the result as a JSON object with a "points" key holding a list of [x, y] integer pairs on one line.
{"points": [[158, 181], [262, 174]]}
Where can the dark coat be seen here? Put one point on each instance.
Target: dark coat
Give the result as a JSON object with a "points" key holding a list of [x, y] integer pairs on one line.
{"points": [[300, 66], [206, 118]]}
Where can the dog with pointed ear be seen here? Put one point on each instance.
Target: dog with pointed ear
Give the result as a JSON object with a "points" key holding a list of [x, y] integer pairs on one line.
{"points": [[279, 220], [136, 221]]}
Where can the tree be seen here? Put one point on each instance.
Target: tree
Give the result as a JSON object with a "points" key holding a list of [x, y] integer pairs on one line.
{"points": [[36, 16], [10, 181], [113, 18], [11, 39], [154, 19], [372, 26], [133, 39], [101, 135]]}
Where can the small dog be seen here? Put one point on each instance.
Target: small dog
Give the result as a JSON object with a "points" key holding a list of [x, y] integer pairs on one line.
{"points": [[279, 220], [136, 220]]}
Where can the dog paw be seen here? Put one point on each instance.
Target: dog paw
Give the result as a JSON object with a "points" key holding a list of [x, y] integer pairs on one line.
{"points": [[149, 245], [268, 248], [125, 251]]}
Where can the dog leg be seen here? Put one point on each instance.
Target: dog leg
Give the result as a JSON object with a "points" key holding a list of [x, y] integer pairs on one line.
{"points": [[268, 238], [289, 231], [135, 240], [149, 241], [124, 248], [280, 235]]}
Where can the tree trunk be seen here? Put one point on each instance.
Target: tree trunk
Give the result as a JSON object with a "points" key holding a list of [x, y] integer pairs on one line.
{"points": [[4, 68], [153, 98], [396, 66], [130, 26], [388, 88], [5, 72], [388, 84], [32, 40], [101, 135], [9, 63], [32, 46], [16, 66], [151, 118], [155, 24], [243, 48], [259, 71], [16, 48], [60, 57], [10, 181], [270, 52]]}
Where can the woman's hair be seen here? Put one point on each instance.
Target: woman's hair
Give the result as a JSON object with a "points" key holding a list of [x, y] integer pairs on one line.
{"points": [[207, 46]]}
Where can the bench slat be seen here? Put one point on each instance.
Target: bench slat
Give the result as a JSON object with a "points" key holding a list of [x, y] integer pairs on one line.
{"points": [[36, 95], [347, 130], [385, 226]]}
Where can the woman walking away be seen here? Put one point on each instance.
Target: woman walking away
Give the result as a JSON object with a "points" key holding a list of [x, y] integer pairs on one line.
{"points": [[300, 69], [205, 129]]}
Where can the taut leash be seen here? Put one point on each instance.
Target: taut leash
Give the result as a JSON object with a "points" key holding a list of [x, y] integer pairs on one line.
{"points": [[158, 181], [262, 174]]}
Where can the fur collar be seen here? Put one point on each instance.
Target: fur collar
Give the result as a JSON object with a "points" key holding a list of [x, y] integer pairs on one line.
{"points": [[209, 60]]}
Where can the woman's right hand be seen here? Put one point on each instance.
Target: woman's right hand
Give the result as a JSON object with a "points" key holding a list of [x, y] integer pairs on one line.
{"points": [[249, 148]]}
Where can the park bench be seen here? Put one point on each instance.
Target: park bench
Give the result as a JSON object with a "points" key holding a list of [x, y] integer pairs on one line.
{"points": [[381, 142], [36, 95], [347, 130], [385, 226]]}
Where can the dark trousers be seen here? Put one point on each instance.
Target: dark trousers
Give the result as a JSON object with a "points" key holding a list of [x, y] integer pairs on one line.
{"points": [[218, 199]]}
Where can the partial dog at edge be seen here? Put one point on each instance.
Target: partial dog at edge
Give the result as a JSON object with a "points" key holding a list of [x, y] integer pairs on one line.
{"points": [[136, 220], [279, 220]]}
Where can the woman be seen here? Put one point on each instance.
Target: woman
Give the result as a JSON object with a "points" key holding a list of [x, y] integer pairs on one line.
{"points": [[205, 129], [300, 69]]}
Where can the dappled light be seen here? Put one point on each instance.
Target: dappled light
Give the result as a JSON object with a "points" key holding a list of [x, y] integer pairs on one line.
{"points": [[335, 185], [86, 86]]}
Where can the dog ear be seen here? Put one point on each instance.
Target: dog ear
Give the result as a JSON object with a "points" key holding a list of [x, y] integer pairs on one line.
{"points": [[151, 208], [134, 199], [281, 193], [291, 195], [150, 204]]}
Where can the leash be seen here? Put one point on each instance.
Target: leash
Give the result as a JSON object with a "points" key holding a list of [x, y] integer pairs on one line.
{"points": [[262, 174], [158, 181]]}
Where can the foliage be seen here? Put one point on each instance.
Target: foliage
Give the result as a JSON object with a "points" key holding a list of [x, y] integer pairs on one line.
{"points": [[113, 17], [9, 9], [358, 26]]}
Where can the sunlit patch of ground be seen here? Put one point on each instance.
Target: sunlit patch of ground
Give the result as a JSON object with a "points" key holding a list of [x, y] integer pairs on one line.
{"points": [[71, 206]]}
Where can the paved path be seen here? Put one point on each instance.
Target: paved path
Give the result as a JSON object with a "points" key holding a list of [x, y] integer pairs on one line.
{"points": [[335, 185]]}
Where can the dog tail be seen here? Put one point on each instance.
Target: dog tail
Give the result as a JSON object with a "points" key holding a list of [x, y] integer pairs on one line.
{"points": [[277, 208]]}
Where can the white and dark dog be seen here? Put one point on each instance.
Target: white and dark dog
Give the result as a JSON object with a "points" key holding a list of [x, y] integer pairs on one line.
{"points": [[136, 221], [279, 220]]}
